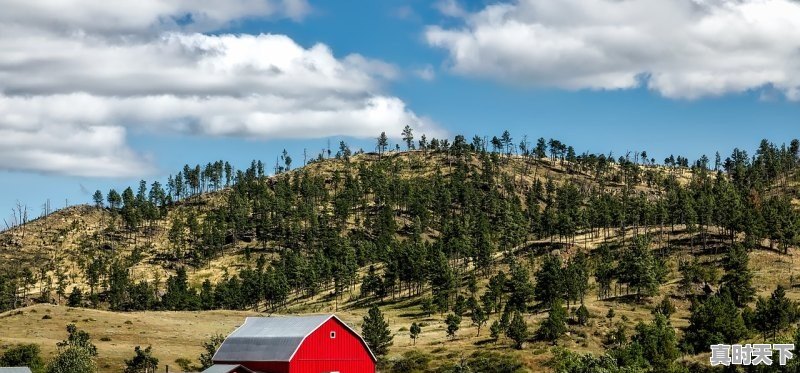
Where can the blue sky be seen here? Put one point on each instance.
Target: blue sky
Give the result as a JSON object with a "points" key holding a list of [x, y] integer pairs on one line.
{"points": [[481, 79]]}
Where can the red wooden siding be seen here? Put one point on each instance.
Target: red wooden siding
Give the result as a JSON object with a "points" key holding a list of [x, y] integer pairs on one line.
{"points": [[320, 353]]}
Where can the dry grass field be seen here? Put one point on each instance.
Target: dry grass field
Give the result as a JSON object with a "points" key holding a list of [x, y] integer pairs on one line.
{"points": [[173, 335]]}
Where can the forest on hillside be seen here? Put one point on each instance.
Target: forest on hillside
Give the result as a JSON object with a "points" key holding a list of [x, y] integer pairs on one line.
{"points": [[486, 229]]}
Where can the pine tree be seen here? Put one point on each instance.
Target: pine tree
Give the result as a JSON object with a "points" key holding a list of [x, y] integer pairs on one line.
{"points": [[657, 342], [738, 280], [520, 288], [774, 314], [75, 298], [639, 269], [549, 280], [383, 142], [715, 321], [517, 330], [414, 332], [98, 199], [408, 137], [582, 314], [453, 322], [555, 325], [375, 331], [495, 329], [479, 318], [576, 276]]}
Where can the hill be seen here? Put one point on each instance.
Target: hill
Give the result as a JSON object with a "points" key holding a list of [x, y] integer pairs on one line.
{"points": [[447, 229]]}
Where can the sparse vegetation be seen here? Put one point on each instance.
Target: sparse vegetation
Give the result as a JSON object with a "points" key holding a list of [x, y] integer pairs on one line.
{"points": [[489, 230]]}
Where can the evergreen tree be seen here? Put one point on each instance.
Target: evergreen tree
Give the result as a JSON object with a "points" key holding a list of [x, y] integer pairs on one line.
{"points": [[495, 329], [414, 332], [738, 280], [453, 322], [658, 343], [479, 318], [774, 314], [576, 276], [582, 315], [714, 321], [639, 269], [517, 330], [75, 298], [383, 142], [408, 137], [375, 331], [555, 325], [427, 306], [114, 199], [98, 199], [549, 280], [520, 288]]}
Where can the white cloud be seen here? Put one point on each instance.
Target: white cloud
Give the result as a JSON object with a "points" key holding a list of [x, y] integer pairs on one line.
{"points": [[68, 97], [678, 48], [425, 73], [98, 151], [450, 8], [143, 16]]}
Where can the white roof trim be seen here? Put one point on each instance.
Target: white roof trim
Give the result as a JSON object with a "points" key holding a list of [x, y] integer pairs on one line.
{"points": [[332, 316]]}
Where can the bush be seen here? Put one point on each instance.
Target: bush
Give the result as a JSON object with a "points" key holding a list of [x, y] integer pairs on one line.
{"points": [[411, 362], [185, 364], [486, 362], [73, 360], [23, 356]]}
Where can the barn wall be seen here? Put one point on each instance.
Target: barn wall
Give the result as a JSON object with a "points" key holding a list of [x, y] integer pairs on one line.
{"points": [[327, 366], [320, 354]]}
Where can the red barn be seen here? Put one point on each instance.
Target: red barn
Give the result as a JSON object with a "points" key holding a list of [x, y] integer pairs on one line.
{"points": [[298, 344]]}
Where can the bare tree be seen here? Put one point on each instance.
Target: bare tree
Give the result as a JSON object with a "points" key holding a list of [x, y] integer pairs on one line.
{"points": [[19, 217]]}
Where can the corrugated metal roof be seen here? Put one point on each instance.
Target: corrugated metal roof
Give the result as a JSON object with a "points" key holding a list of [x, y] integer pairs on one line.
{"points": [[15, 370], [268, 338], [225, 368]]}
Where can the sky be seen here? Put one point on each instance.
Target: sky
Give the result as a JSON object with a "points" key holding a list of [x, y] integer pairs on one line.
{"points": [[99, 95]]}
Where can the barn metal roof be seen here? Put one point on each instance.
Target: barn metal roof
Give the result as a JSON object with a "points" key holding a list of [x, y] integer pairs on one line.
{"points": [[225, 368], [15, 370], [274, 338]]}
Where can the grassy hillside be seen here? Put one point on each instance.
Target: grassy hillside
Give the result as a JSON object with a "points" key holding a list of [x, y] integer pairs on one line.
{"points": [[536, 207]]}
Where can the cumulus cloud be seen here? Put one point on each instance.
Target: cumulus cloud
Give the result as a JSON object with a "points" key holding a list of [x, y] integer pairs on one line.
{"points": [[679, 48], [70, 93]]}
